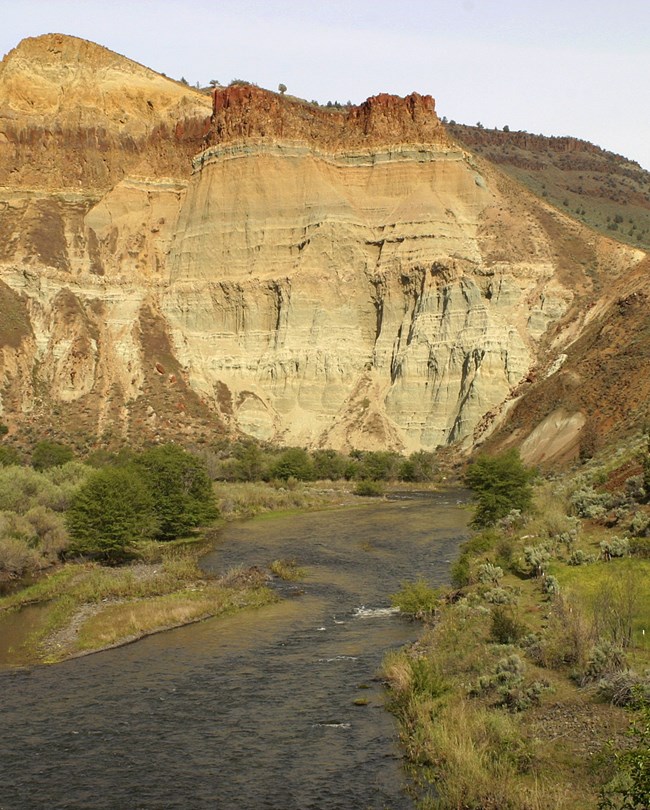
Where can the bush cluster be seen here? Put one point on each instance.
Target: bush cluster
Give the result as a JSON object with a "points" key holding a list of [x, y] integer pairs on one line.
{"points": [[163, 492], [248, 460], [500, 484], [416, 599], [587, 503], [33, 533], [509, 685]]}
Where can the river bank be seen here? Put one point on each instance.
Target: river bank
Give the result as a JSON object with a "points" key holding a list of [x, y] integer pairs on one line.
{"points": [[80, 607], [528, 686]]}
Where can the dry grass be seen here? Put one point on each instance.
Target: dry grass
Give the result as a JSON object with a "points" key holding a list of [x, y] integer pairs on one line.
{"points": [[250, 499], [118, 623], [90, 606], [287, 570], [483, 760]]}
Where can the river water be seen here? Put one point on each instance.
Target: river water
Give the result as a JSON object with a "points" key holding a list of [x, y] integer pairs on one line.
{"points": [[247, 712]]}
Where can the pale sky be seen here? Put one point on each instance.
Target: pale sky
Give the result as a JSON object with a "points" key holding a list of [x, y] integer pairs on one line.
{"points": [[556, 67]]}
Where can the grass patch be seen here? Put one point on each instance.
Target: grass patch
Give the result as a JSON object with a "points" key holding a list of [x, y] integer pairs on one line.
{"points": [[245, 500], [120, 622], [90, 606], [618, 588], [54, 583], [287, 570]]}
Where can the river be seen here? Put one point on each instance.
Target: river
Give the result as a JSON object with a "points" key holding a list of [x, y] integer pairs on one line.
{"points": [[247, 712]]}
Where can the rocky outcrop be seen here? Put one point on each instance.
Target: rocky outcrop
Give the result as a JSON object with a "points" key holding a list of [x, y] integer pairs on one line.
{"points": [[247, 113], [345, 278]]}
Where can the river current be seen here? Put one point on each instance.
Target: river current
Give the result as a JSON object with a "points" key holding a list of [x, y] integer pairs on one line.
{"points": [[254, 711]]}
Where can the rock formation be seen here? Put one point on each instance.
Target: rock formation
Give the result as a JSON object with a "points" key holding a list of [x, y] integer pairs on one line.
{"points": [[173, 264]]}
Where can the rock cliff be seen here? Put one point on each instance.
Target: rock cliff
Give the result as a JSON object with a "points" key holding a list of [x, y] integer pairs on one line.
{"points": [[173, 264]]}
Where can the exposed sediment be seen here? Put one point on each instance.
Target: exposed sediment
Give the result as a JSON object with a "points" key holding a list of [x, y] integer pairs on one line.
{"points": [[347, 278]]}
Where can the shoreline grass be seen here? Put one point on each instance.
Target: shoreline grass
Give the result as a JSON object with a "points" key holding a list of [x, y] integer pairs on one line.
{"points": [[287, 570], [90, 607], [515, 692]]}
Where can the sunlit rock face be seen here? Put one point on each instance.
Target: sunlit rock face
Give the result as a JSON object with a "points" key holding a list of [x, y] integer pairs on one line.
{"points": [[346, 278]]}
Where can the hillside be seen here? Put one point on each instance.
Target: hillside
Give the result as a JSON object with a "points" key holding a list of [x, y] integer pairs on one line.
{"points": [[179, 266], [605, 191]]}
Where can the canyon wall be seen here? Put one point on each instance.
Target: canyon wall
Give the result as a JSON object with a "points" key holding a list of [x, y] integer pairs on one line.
{"points": [[173, 264]]}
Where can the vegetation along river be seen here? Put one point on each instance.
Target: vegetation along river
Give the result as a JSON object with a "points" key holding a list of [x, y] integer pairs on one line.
{"points": [[251, 711]]}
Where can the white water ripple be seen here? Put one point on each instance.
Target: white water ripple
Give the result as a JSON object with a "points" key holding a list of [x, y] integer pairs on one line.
{"points": [[371, 613]]}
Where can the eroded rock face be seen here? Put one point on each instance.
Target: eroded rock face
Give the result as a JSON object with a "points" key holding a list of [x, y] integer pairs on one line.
{"points": [[326, 278], [349, 292]]}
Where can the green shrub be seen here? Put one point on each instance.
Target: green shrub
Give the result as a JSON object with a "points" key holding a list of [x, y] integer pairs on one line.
{"points": [[500, 596], [416, 598], [537, 558], [377, 466], [49, 531], [639, 525], [369, 489], [615, 547], [640, 547], [605, 658], [181, 487], [625, 688], [418, 467], [629, 787], [587, 503], [328, 465], [292, 463], [500, 484], [461, 569], [460, 573], [21, 488], [507, 681], [112, 510], [16, 557], [504, 627], [50, 454], [247, 464], [489, 574], [551, 586], [505, 552], [579, 557]]}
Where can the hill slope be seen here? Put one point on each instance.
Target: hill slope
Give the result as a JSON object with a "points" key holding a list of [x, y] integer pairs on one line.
{"points": [[604, 190]]}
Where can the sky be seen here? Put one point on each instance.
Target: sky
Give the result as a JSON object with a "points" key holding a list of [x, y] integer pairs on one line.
{"points": [[555, 67]]}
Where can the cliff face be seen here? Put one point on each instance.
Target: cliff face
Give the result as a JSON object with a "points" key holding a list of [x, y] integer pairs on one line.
{"points": [[347, 278]]}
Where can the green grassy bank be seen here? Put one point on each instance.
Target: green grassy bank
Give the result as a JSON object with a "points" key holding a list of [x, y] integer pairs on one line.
{"points": [[530, 686]]}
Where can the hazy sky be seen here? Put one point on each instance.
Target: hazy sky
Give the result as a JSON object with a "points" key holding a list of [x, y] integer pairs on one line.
{"points": [[559, 67]]}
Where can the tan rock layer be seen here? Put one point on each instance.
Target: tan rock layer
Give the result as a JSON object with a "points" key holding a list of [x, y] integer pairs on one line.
{"points": [[326, 278]]}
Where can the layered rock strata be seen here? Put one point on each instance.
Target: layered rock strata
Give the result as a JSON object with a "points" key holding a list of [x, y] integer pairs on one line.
{"points": [[335, 278]]}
